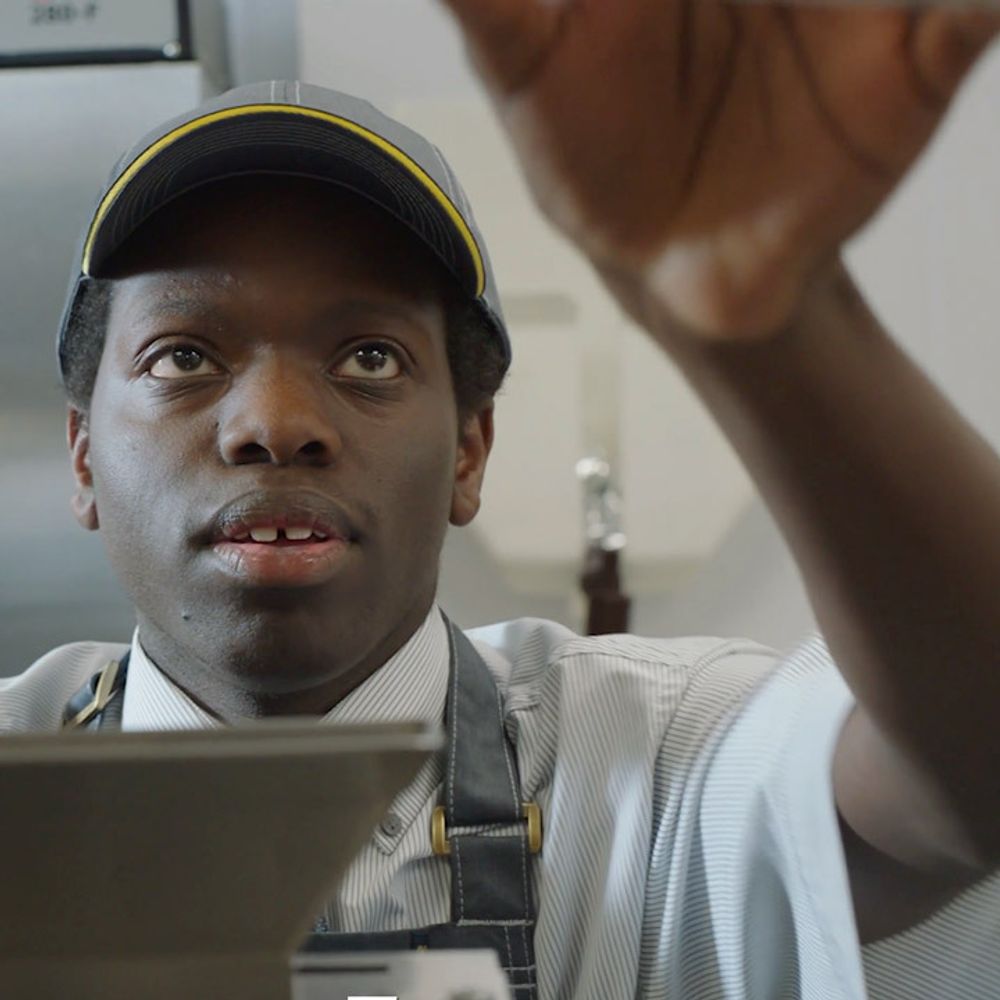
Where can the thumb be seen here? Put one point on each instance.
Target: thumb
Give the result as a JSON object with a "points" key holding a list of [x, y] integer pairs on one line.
{"points": [[508, 39], [948, 45]]}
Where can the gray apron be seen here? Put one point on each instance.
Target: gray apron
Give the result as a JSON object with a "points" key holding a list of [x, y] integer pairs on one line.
{"points": [[491, 901]]}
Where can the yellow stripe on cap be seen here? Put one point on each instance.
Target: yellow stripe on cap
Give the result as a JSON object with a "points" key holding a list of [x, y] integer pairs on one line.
{"points": [[433, 188]]}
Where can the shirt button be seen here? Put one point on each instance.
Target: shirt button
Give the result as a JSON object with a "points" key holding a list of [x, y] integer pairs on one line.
{"points": [[392, 825]]}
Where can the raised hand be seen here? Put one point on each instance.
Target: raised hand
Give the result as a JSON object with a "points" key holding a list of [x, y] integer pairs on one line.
{"points": [[717, 153]]}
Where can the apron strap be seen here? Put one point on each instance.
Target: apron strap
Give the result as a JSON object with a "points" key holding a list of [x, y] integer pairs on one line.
{"points": [[481, 779], [99, 702], [490, 875]]}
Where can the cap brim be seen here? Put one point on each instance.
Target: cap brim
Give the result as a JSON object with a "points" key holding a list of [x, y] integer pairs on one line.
{"points": [[289, 140]]}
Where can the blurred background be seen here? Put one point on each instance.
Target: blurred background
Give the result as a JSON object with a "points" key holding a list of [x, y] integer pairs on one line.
{"points": [[702, 555]]}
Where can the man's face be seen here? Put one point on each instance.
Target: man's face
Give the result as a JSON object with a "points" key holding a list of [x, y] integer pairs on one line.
{"points": [[275, 362]]}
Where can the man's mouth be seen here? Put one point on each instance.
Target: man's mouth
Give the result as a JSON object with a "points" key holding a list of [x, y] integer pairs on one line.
{"points": [[281, 538], [277, 516]]}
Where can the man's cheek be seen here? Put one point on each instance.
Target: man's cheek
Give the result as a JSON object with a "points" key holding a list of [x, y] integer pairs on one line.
{"points": [[427, 475], [137, 502]]}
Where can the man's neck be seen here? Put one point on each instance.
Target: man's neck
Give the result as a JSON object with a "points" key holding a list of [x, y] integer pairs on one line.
{"points": [[231, 684]]}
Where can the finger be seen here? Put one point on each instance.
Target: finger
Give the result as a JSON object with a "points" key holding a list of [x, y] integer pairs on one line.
{"points": [[947, 45], [508, 39]]}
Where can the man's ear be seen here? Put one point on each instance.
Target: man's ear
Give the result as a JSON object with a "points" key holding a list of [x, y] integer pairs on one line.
{"points": [[83, 503], [475, 439]]}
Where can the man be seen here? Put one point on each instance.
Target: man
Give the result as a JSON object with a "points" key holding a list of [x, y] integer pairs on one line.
{"points": [[275, 411]]}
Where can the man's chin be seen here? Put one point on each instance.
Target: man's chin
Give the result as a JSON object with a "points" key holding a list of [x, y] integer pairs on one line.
{"points": [[266, 639], [286, 669]]}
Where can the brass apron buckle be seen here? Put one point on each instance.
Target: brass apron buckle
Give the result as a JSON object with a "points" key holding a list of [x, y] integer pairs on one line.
{"points": [[442, 846]]}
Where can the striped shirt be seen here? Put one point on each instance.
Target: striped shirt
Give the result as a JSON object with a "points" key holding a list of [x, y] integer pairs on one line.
{"points": [[691, 849]]}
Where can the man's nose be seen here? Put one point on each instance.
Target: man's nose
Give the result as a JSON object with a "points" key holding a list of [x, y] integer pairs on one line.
{"points": [[279, 413]]}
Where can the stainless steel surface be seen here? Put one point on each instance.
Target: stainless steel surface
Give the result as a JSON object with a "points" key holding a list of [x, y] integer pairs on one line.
{"points": [[116, 887], [422, 975]]}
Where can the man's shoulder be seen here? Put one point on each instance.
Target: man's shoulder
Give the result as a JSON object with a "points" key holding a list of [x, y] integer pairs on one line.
{"points": [[532, 656], [593, 708], [33, 701]]}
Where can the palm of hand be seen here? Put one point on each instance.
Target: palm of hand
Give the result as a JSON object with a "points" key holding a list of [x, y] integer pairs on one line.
{"points": [[726, 149]]}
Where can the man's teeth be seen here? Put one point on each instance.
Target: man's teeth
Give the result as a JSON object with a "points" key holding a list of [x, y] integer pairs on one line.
{"points": [[273, 534]]}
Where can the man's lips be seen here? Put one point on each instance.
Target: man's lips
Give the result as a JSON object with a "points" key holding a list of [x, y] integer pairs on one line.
{"points": [[281, 538], [269, 516]]}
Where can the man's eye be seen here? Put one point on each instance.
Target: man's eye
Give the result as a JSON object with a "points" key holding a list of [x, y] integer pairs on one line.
{"points": [[183, 362], [370, 361]]}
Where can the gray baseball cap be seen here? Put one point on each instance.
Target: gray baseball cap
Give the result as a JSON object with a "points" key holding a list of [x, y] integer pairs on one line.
{"points": [[292, 128]]}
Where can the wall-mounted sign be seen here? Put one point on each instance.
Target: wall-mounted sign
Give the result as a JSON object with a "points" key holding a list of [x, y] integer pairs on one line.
{"points": [[45, 33]]}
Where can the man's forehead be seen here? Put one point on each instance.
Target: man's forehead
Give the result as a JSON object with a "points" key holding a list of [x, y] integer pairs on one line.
{"points": [[176, 292], [183, 288]]}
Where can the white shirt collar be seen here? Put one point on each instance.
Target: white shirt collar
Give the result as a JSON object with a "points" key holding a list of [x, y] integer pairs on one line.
{"points": [[412, 686]]}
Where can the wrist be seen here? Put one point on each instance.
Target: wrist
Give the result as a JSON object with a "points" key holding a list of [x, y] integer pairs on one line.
{"points": [[707, 312]]}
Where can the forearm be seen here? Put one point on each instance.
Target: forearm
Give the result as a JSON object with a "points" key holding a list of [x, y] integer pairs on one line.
{"points": [[890, 502]]}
